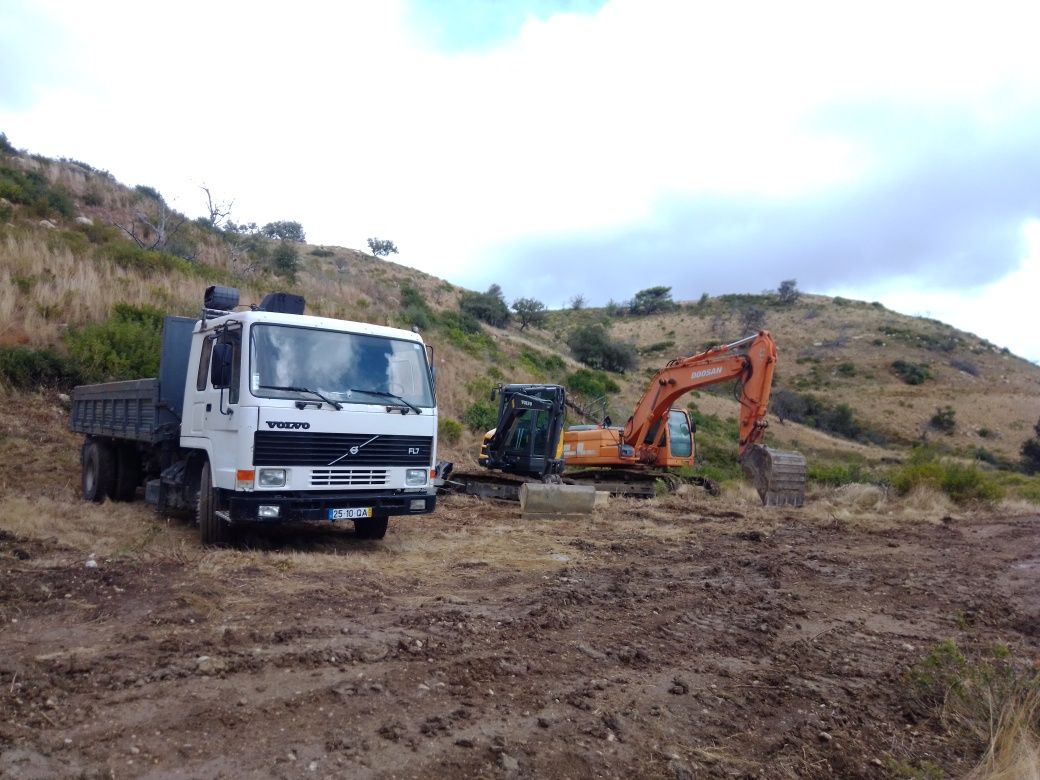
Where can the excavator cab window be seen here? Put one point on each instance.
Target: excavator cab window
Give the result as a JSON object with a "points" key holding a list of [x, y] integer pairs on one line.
{"points": [[679, 434]]}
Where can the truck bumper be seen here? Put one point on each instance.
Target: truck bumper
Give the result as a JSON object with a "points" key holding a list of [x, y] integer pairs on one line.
{"points": [[308, 507]]}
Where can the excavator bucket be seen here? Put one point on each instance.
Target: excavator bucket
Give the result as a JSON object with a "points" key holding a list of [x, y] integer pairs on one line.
{"points": [[778, 476]]}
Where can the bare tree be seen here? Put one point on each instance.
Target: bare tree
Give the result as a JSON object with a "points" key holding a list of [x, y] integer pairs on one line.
{"points": [[153, 232], [752, 319], [217, 210]]}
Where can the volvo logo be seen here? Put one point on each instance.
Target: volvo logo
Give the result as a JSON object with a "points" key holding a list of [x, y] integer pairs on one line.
{"points": [[280, 424], [353, 450]]}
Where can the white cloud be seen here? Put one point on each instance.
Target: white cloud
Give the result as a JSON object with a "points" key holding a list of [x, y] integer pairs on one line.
{"points": [[999, 312], [339, 116]]}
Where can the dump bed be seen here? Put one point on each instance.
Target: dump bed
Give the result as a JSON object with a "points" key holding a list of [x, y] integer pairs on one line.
{"points": [[145, 410], [121, 410]]}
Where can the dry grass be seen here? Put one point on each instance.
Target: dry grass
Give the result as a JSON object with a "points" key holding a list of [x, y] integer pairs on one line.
{"points": [[108, 529], [1013, 750], [44, 289]]}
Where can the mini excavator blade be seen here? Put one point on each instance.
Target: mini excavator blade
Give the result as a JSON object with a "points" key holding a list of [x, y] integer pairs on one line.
{"points": [[778, 476]]}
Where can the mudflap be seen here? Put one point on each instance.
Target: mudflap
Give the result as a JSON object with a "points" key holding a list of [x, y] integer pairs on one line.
{"points": [[779, 476]]}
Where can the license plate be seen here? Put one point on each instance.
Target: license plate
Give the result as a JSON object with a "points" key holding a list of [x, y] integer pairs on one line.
{"points": [[351, 513]]}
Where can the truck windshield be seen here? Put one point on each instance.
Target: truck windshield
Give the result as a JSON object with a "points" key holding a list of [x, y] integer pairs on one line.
{"points": [[346, 367]]}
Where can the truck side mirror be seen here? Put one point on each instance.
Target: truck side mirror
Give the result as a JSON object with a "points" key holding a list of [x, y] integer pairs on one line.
{"points": [[220, 368]]}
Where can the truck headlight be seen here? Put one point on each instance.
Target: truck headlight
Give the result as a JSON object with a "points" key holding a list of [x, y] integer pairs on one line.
{"points": [[415, 476], [270, 478]]}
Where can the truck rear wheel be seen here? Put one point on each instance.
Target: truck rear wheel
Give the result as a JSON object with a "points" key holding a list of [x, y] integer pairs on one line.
{"points": [[99, 475], [213, 530], [128, 473], [371, 528]]}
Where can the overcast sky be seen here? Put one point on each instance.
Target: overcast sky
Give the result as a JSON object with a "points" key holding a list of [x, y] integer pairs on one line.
{"points": [[879, 151]]}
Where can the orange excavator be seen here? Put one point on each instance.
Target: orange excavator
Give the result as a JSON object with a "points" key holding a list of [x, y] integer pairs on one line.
{"points": [[657, 437]]}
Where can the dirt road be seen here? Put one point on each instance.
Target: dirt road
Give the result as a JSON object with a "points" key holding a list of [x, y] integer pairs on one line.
{"points": [[671, 638]]}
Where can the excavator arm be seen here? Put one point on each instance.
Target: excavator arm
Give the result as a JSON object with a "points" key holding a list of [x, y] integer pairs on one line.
{"points": [[753, 366]]}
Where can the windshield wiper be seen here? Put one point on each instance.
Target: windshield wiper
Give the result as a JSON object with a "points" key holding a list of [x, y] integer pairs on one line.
{"points": [[291, 389], [385, 394]]}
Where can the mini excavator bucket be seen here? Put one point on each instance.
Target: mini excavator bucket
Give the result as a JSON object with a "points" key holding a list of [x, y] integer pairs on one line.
{"points": [[778, 476], [537, 498]]}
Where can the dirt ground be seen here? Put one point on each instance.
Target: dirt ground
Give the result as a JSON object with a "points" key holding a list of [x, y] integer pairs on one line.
{"points": [[670, 638]]}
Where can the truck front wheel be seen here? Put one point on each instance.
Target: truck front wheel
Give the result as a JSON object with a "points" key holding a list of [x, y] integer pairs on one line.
{"points": [[99, 471], [372, 527], [213, 530]]}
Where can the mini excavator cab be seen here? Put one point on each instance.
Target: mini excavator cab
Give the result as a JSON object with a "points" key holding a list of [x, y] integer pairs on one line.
{"points": [[528, 437]]}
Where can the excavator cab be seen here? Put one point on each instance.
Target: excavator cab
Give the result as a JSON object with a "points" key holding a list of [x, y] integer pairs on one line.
{"points": [[672, 437]]}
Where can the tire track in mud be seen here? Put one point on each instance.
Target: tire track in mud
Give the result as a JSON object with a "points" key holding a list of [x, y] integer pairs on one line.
{"points": [[712, 651]]}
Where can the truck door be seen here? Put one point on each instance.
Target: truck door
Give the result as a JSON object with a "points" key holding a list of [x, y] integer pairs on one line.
{"points": [[215, 411]]}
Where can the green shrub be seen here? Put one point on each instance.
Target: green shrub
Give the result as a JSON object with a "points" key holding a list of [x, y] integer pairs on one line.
{"points": [[285, 260], [911, 373], [944, 420], [480, 416], [653, 300], [449, 430], [657, 346], [846, 369], [489, 307], [99, 233], [592, 345], [465, 333], [986, 456], [591, 384], [322, 252], [542, 363], [5, 145], [126, 346], [148, 261], [414, 308], [961, 483], [31, 188], [837, 474], [24, 368], [149, 192]]}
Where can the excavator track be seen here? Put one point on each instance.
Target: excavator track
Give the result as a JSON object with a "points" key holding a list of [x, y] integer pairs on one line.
{"points": [[505, 487], [637, 484], [779, 476]]}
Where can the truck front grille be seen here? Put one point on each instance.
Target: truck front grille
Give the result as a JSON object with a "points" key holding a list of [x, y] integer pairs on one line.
{"points": [[340, 450], [344, 477]]}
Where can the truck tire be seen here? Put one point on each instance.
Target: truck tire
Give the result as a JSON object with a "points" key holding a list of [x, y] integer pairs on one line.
{"points": [[128, 473], [212, 529], [99, 475], [372, 528]]}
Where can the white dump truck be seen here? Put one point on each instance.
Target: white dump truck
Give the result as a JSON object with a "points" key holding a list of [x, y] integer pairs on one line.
{"points": [[268, 415]]}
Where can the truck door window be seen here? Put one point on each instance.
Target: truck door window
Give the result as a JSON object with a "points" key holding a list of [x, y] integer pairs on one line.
{"points": [[207, 349], [231, 339], [234, 338]]}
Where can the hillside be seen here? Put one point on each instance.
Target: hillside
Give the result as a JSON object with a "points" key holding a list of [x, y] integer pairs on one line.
{"points": [[74, 243], [888, 628]]}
